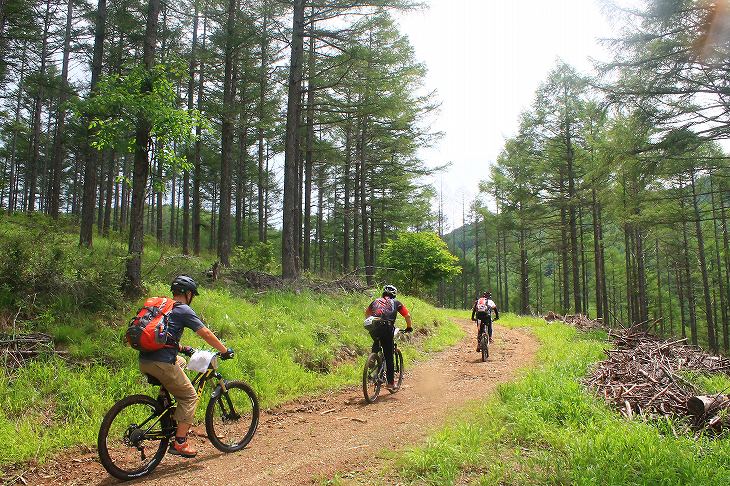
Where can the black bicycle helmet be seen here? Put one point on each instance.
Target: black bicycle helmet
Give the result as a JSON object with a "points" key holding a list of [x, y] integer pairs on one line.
{"points": [[487, 294], [390, 291], [182, 284]]}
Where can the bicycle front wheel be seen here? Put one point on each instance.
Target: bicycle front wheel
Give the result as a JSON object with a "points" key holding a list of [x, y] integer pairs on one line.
{"points": [[232, 416], [133, 437], [371, 380], [397, 369]]}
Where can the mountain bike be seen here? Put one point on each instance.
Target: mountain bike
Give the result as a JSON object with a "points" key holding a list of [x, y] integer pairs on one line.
{"points": [[135, 433], [374, 373], [484, 345]]}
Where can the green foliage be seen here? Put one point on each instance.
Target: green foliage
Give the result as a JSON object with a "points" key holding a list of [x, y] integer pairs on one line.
{"points": [[121, 101], [416, 261], [546, 429], [259, 256], [55, 277], [58, 282]]}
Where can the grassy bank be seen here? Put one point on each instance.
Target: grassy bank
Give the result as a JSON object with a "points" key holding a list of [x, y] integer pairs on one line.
{"points": [[545, 429], [287, 346]]}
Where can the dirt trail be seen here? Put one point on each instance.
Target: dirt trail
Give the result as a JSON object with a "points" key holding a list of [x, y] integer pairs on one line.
{"points": [[308, 440]]}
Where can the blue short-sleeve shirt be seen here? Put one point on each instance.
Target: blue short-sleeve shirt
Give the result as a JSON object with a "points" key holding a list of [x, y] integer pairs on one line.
{"points": [[181, 316]]}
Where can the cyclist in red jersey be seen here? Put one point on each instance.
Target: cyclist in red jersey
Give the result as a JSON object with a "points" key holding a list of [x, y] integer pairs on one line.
{"points": [[481, 313], [383, 333]]}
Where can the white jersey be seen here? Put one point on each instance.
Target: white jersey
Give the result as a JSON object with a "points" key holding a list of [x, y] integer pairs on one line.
{"points": [[491, 306]]}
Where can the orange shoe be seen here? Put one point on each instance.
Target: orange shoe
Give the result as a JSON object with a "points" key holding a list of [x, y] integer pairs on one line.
{"points": [[184, 449]]}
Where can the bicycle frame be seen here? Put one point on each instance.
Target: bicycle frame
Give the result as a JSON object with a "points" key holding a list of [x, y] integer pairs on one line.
{"points": [[199, 384]]}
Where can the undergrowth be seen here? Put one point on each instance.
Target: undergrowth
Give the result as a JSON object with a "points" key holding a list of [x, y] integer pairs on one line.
{"points": [[545, 428]]}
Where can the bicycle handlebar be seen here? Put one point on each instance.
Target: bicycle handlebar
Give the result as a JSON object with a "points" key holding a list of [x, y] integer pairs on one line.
{"points": [[189, 351]]}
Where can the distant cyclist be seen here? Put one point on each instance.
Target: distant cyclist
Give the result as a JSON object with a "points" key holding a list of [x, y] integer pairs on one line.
{"points": [[387, 307], [167, 366], [481, 313]]}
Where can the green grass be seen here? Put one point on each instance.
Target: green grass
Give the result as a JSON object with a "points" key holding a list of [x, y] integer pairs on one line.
{"points": [[287, 346], [544, 428]]}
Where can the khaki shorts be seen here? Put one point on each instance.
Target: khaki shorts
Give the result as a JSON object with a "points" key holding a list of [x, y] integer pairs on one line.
{"points": [[174, 379]]}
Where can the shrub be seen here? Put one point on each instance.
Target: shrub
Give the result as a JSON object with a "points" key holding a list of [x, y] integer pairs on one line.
{"points": [[259, 256]]}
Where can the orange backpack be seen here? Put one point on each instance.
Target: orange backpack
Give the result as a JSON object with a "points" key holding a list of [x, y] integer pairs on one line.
{"points": [[147, 331]]}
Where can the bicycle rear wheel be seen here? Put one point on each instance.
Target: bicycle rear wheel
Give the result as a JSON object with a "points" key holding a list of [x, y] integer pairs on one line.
{"points": [[371, 381], [397, 369], [484, 344], [232, 416], [133, 437]]}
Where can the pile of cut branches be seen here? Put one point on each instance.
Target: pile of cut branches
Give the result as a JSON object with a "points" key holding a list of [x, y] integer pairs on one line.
{"points": [[15, 350], [346, 283], [256, 280], [643, 376], [579, 321], [265, 281]]}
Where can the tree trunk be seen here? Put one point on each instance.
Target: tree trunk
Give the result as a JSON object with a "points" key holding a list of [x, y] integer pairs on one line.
{"points": [[597, 256], [124, 216], [263, 78], [133, 277], [12, 183], [111, 175], [583, 266], [197, 170], [718, 267], [643, 305], [241, 180], [363, 206], [173, 208], [688, 276], [320, 214], [505, 304], [660, 313], [229, 96], [57, 165], [309, 155], [524, 275], [35, 146], [356, 212], [477, 274], [669, 294], [91, 154], [159, 192], [703, 268], [565, 282], [190, 158], [115, 218], [347, 207], [726, 253], [289, 216], [680, 292]]}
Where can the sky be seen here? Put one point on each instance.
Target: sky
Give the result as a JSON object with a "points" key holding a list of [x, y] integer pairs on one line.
{"points": [[485, 59]]}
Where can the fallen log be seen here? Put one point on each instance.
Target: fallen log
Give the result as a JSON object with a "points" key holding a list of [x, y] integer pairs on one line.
{"points": [[704, 405]]}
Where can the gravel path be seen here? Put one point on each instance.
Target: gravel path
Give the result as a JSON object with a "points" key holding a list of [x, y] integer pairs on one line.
{"points": [[308, 440]]}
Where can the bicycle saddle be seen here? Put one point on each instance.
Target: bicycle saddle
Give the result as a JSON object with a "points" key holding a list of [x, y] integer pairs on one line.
{"points": [[152, 380]]}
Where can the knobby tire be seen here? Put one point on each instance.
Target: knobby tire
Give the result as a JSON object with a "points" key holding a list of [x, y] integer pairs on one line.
{"points": [[230, 415], [370, 377], [122, 428], [398, 369]]}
